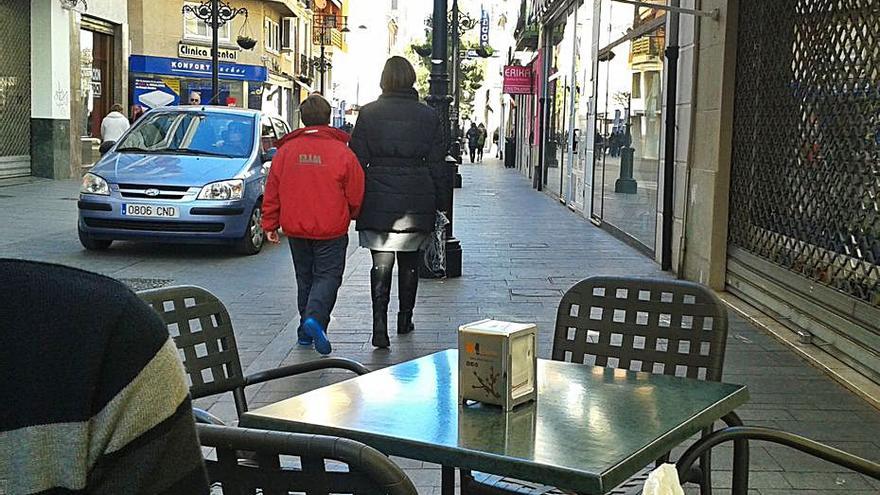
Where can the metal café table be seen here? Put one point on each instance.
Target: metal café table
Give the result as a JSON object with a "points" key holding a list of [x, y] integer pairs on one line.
{"points": [[590, 429]]}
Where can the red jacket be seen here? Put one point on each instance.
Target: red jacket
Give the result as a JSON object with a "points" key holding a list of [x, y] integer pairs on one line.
{"points": [[315, 186]]}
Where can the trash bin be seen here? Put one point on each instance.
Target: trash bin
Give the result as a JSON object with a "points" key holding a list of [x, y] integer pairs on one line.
{"points": [[510, 153]]}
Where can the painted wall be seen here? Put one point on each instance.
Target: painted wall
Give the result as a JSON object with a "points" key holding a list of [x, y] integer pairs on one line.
{"points": [[115, 11], [50, 60]]}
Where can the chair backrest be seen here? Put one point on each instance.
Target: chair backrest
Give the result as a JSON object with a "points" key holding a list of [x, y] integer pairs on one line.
{"points": [[202, 331], [296, 462], [671, 327]]}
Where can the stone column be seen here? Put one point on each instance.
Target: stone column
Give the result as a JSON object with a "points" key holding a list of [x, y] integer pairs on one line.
{"points": [[704, 146], [50, 89]]}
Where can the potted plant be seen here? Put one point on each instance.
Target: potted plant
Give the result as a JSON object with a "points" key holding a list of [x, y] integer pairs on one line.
{"points": [[246, 42]]}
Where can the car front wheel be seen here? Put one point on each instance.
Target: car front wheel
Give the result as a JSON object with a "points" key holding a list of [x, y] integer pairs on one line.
{"points": [[254, 237], [93, 244]]}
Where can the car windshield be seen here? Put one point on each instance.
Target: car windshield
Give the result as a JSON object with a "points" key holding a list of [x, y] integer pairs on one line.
{"points": [[209, 134]]}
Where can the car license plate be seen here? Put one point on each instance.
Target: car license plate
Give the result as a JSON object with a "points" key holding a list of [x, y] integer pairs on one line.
{"points": [[152, 211]]}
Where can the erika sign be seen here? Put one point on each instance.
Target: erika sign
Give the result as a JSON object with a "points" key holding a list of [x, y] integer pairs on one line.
{"points": [[517, 80]]}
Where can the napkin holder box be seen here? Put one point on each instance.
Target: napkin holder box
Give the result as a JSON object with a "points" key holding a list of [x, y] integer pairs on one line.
{"points": [[497, 363]]}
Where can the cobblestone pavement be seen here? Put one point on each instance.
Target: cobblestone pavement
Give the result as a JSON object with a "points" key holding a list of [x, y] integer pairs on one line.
{"points": [[521, 251]]}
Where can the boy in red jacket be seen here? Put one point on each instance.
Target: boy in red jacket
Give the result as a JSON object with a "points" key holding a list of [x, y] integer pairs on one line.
{"points": [[315, 189]]}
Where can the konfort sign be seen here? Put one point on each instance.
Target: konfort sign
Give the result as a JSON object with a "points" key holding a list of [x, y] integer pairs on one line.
{"points": [[186, 50]]}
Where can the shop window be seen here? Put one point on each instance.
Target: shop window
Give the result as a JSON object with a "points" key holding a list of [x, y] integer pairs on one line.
{"points": [[197, 29], [272, 35], [637, 85]]}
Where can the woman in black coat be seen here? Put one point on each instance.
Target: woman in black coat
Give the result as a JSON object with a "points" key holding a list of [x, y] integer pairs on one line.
{"points": [[399, 142]]}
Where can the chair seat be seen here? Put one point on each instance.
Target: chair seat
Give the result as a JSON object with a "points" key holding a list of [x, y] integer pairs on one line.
{"points": [[491, 484]]}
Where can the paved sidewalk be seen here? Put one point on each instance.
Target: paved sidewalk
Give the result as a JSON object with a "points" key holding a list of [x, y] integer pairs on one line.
{"points": [[522, 250]]}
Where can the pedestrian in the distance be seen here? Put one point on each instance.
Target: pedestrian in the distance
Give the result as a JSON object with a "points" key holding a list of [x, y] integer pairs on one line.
{"points": [[399, 141], [315, 189], [135, 113], [481, 142], [495, 137], [114, 124], [473, 135]]}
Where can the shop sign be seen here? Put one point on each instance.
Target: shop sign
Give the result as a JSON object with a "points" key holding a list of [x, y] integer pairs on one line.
{"points": [[181, 67], [187, 50], [517, 80], [152, 93]]}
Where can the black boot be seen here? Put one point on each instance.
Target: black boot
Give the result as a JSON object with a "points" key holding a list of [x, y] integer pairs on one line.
{"points": [[407, 286], [380, 290], [404, 322]]}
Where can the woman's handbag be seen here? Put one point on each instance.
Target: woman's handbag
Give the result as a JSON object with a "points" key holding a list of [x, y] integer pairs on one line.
{"points": [[434, 250]]}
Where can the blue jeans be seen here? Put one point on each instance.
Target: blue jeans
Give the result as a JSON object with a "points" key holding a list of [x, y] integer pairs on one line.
{"points": [[319, 265]]}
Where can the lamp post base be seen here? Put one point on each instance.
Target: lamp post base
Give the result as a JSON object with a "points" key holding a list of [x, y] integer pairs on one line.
{"points": [[453, 258], [626, 184]]}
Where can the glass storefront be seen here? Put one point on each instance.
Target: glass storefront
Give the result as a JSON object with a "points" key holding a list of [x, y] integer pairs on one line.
{"points": [[559, 92], [569, 71], [158, 81], [629, 123]]}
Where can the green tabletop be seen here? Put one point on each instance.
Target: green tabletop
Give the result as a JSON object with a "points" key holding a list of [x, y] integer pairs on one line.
{"points": [[590, 429]]}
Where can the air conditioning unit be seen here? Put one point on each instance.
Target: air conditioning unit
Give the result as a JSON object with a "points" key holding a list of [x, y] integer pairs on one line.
{"points": [[288, 34]]}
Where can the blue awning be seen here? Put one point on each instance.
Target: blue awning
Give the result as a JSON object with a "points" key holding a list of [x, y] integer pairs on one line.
{"points": [[182, 67]]}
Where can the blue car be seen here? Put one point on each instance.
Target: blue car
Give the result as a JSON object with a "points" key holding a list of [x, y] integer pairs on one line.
{"points": [[184, 175]]}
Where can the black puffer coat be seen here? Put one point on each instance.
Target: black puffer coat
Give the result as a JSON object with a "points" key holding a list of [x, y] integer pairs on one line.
{"points": [[399, 142]]}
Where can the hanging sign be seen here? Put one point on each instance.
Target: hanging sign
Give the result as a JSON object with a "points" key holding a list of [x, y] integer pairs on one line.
{"points": [[517, 80], [484, 28]]}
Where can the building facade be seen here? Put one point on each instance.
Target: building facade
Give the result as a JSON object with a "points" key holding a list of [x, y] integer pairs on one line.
{"points": [[64, 66], [66, 62], [171, 56], [751, 167]]}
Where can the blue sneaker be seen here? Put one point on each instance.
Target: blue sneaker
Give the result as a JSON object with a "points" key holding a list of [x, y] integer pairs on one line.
{"points": [[305, 340], [315, 332]]}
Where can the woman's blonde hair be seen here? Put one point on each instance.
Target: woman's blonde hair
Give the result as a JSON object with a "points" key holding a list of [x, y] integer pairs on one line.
{"points": [[398, 75]]}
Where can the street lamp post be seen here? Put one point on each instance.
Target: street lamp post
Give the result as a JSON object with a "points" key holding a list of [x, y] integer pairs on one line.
{"points": [[439, 99], [215, 13], [455, 114], [461, 24], [322, 24]]}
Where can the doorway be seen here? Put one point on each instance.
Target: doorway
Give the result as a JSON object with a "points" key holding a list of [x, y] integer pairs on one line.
{"points": [[97, 66]]}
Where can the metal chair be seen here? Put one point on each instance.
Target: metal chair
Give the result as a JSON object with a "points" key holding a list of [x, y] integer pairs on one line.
{"points": [[670, 327], [740, 484], [202, 330], [296, 462]]}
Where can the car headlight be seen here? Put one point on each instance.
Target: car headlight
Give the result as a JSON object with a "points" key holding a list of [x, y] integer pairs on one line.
{"points": [[92, 184], [225, 189]]}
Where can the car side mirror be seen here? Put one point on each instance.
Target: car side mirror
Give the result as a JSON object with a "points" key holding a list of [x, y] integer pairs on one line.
{"points": [[270, 154], [105, 147]]}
